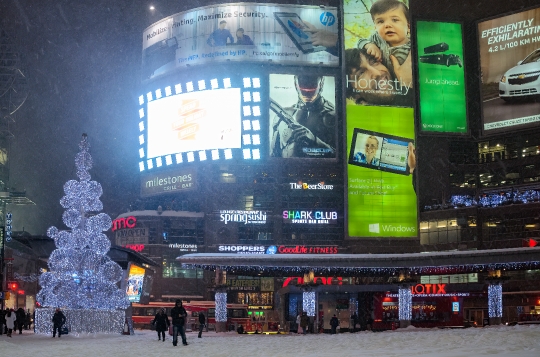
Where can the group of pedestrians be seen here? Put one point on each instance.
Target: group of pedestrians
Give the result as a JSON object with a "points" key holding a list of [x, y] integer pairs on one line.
{"points": [[178, 316], [13, 320]]}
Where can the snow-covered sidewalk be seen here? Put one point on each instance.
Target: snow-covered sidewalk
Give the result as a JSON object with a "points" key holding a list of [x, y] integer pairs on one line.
{"points": [[516, 341]]}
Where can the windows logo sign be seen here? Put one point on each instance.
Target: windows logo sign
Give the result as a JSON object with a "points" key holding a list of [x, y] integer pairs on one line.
{"points": [[374, 228]]}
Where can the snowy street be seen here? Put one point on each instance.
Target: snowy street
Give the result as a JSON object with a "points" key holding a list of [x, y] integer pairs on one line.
{"points": [[516, 341]]}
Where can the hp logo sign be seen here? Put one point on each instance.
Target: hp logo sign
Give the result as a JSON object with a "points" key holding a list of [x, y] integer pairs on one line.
{"points": [[327, 19]]}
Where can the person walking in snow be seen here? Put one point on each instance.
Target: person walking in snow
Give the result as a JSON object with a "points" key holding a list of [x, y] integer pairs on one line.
{"points": [[10, 321], [59, 319], [161, 322]]}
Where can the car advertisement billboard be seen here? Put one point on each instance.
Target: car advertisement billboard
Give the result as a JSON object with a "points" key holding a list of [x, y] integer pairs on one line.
{"points": [[381, 157], [292, 34], [302, 116], [510, 71], [441, 77]]}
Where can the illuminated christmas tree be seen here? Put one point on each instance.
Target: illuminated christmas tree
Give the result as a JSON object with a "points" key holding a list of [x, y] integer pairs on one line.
{"points": [[81, 277]]}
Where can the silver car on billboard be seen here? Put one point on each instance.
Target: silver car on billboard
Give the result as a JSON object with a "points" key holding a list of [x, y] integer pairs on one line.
{"points": [[523, 80]]}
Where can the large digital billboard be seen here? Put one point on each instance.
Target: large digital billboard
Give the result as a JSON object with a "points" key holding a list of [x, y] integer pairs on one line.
{"points": [[441, 77], [303, 120], [292, 34], [510, 71], [381, 157], [200, 119]]}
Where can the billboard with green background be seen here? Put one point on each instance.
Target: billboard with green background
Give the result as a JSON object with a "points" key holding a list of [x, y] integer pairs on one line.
{"points": [[380, 203], [441, 77], [381, 158]]}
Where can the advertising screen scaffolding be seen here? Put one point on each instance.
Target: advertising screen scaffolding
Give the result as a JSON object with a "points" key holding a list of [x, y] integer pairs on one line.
{"points": [[510, 64], [381, 197]]}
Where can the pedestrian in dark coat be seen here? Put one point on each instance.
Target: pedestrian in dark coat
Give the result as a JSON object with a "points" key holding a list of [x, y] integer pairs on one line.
{"points": [[21, 317], [162, 323], [59, 319], [178, 316], [202, 322], [334, 323]]}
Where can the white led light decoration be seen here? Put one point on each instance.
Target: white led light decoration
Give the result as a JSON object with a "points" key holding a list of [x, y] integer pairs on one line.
{"points": [[82, 321], [256, 139], [247, 154], [405, 303], [149, 164], [215, 154], [141, 153], [246, 139], [81, 276], [189, 86], [201, 84], [178, 158], [149, 96], [214, 83], [159, 162], [141, 126], [227, 83], [308, 302], [221, 307], [256, 83], [141, 166], [247, 110], [141, 99], [247, 96], [246, 124], [168, 160], [247, 82], [202, 155], [141, 113], [190, 157], [141, 139], [158, 94], [257, 111], [256, 125], [178, 88], [256, 97], [168, 91], [228, 154], [495, 305]]}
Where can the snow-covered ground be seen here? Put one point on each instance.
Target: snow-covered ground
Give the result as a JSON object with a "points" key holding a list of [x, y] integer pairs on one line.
{"points": [[516, 341]]}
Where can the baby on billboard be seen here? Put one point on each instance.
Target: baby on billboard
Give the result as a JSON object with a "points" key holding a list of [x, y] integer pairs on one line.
{"points": [[379, 68]]}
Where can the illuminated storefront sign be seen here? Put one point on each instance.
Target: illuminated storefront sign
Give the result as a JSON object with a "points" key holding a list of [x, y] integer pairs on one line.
{"points": [[246, 217], [165, 183], [431, 290], [136, 247], [242, 249], [310, 217], [297, 280], [184, 247], [303, 249], [122, 223], [306, 186], [244, 284]]}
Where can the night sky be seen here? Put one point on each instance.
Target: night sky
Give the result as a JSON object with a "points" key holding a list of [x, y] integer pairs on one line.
{"points": [[82, 59]]}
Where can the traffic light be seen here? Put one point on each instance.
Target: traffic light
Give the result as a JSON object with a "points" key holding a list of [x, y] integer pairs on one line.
{"points": [[12, 285]]}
